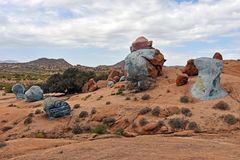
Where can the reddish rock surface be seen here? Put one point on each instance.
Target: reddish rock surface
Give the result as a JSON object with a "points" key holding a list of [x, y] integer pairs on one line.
{"points": [[114, 75], [218, 55], [90, 86], [190, 69], [141, 43], [102, 84], [182, 79], [155, 65]]}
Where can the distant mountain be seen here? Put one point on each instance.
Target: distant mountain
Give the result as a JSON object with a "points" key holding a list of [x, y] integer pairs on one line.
{"points": [[9, 61], [39, 65], [50, 63]]}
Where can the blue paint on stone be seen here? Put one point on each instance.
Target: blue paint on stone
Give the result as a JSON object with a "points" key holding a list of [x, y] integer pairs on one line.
{"points": [[35, 93], [18, 90]]}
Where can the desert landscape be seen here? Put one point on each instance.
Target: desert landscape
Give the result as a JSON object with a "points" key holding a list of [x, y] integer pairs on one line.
{"points": [[137, 124], [119, 80]]}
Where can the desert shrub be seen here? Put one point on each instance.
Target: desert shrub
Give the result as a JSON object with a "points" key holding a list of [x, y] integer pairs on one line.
{"points": [[193, 126], [128, 98], [28, 120], [101, 76], [109, 121], [2, 144], [119, 91], [143, 122], [71, 81], [6, 86], [184, 99], [160, 123], [119, 131], [77, 129], [146, 97], [6, 128], [100, 129], [134, 125], [93, 111], [76, 106], [40, 135], [230, 119], [185, 111], [145, 110], [38, 111], [83, 114], [156, 111], [177, 123], [108, 103], [222, 106]]}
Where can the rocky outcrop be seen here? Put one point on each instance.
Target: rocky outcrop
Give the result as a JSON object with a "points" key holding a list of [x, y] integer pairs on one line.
{"points": [[182, 79], [18, 90], [55, 107], [90, 86], [218, 56], [35, 93], [144, 61], [190, 69], [207, 85], [114, 75]]}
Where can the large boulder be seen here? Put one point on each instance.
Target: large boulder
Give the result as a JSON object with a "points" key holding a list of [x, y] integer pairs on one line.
{"points": [[35, 93], [55, 107], [207, 85], [141, 43], [190, 69], [218, 56], [18, 90]]}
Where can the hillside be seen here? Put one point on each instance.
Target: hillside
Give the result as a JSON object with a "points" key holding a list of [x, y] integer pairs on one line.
{"points": [[215, 138]]}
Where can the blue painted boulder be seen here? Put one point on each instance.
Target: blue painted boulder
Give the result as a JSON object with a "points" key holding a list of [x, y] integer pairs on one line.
{"points": [[123, 78], [18, 90], [110, 83], [207, 85], [137, 69], [55, 108], [35, 93]]}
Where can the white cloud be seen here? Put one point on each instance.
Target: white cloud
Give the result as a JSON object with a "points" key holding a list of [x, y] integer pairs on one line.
{"points": [[113, 24]]}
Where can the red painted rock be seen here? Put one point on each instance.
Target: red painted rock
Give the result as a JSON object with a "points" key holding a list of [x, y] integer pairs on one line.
{"points": [[218, 55], [141, 43], [90, 86], [182, 79], [190, 69], [102, 84]]}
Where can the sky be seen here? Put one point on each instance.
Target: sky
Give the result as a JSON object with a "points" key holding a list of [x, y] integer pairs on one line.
{"points": [[96, 32]]}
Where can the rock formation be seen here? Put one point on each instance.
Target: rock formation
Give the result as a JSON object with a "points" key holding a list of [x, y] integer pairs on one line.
{"points": [[207, 85], [144, 61], [182, 79], [90, 86], [114, 75], [218, 55], [55, 107], [190, 69], [18, 90], [35, 93]]}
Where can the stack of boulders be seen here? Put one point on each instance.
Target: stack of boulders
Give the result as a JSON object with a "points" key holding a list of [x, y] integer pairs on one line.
{"points": [[191, 70], [144, 61], [114, 76], [35, 93]]}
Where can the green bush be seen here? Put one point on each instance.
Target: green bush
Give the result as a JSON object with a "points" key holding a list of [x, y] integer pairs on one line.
{"points": [[184, 99], [230, 119], [71, 81], [185, 111], [143, 122], [100, 129], [7, 87], [222, 106], [177, 123], [145, 110], [156, 111]]}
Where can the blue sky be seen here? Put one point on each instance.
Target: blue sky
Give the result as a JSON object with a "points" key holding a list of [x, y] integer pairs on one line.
{"points": [[91, 32]]}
